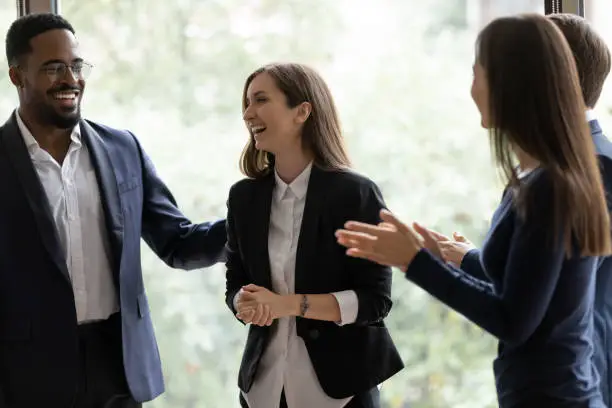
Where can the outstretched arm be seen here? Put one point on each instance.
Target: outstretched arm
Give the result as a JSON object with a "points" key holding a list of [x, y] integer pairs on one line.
{"points": [[174, 238]]}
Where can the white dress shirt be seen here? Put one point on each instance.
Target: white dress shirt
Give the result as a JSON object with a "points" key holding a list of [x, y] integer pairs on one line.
{"points": [[590, 115], [74, 200], [285, 363]]}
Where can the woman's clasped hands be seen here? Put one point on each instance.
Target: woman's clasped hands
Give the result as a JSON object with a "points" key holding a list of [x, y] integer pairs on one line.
{"points": [[260, 306]]}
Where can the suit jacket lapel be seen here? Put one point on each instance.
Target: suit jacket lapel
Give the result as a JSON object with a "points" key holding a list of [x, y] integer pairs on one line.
{"points": [[109, 192], [307, 243], [262, 204], [595, 128], [35, 194]]}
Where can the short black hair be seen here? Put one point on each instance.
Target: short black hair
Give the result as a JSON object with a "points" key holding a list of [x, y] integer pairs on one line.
{"points": [[27, 27]]}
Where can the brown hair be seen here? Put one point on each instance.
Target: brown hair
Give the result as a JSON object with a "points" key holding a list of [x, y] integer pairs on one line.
{"points": [[321, 134], [590, 51], [535, 106]]}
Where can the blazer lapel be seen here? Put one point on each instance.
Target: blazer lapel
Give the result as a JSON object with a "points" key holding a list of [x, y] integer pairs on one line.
{"points": [[595, 128], [262, 204], [35, 194], [109, 192], [307, 242]]}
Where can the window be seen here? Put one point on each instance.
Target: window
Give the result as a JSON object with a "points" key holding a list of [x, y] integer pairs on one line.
{"points": [[8, 101], [172, 72], [596, 10]]}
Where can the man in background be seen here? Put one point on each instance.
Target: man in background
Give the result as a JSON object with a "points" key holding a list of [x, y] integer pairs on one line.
{"points": [[593, 61]]}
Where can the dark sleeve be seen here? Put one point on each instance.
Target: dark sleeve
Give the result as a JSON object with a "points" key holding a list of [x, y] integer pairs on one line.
{"points": [[472, 266], [529, 278], [174, 238], [235, 275], [372, 282], [471, 261], [605, 168]]}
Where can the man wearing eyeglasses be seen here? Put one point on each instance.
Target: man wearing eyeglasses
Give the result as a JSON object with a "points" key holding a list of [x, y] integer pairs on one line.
{"points": [[75, 199]]}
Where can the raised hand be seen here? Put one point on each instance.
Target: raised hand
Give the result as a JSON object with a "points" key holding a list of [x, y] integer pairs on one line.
{"points": [[390, 243], [454, 250]]}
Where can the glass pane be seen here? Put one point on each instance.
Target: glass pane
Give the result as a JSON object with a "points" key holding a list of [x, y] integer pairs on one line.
{"points": [[599, 12], [173, 71], [9, 100]]}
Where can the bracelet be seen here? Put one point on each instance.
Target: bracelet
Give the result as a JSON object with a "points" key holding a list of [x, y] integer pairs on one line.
{"points": [[304, 305]]}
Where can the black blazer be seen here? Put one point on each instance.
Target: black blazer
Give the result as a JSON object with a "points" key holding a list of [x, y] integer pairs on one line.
{"points": [[347, 359]]}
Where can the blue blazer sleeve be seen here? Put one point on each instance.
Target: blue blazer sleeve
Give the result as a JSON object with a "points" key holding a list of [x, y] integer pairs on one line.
{"points": [[528, 282], [173, 237]]}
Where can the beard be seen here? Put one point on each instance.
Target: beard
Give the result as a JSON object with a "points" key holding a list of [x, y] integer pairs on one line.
{"points": [[49, 116], [58, 117]]}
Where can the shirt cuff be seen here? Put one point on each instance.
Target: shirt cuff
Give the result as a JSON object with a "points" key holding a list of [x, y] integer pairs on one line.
{"points": [[349, 306]]}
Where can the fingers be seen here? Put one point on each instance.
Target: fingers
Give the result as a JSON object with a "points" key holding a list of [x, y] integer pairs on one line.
{"points": [[391, 219], [261, 315], [459, 238], [246, 296], [270, 319], [430, 241], [363, 228], [247, 304], [354, 239], [434, 234], [251, 288], [268, 316], [452, 252], [387, 226], [246, 315]]}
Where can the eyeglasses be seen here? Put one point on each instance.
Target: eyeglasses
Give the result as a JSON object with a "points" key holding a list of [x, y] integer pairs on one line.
{"points": [[57, 70]]}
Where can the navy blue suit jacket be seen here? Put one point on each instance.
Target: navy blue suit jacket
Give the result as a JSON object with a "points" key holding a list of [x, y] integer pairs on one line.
{"points": [[603, 287], [537, 302], [38, 326], [602, 338]]}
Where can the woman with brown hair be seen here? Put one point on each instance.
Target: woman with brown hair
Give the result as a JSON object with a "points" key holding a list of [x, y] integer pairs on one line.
{"points": [[316, 336], [541, 250]]}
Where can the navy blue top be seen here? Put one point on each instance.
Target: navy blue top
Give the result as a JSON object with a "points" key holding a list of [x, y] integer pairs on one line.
{"points": [[537, 302], [602, 336], [603, 287]]}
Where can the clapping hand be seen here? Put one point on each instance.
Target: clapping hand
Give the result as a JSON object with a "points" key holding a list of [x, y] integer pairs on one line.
{"points": [[454, 251], [390, 243], [450, 250]]}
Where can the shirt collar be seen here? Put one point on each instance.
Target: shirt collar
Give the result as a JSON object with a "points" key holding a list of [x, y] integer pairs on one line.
{"points": [[523, 173], [299, 186], [31, 142], [590, 115]]}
